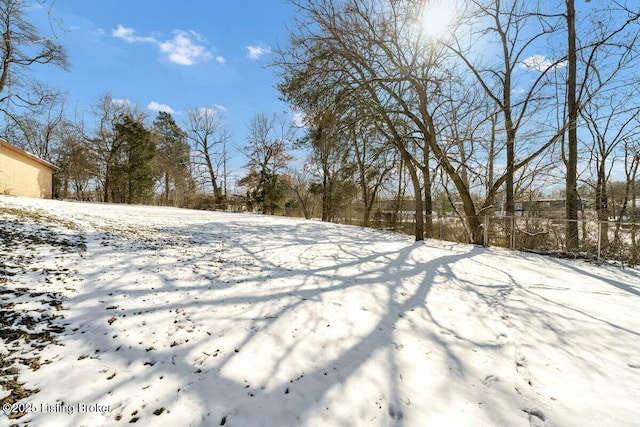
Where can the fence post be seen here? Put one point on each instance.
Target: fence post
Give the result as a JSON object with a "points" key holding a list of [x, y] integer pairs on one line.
{"points": [[599, 239], [512, 237]]}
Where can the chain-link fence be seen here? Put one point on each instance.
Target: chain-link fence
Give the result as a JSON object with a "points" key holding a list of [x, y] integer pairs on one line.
{"points": [[597, 240]]}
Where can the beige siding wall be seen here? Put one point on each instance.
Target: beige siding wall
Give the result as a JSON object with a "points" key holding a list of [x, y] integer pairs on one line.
{"points": [[23, 176]]}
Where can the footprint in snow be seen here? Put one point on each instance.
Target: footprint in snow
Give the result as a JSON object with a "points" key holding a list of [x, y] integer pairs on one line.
{"points": [[536, 417], [395, 413], [489, 379]]}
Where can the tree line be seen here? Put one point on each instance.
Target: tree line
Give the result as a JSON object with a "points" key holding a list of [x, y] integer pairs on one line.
{"points": [[513, 92], [506, 100]]}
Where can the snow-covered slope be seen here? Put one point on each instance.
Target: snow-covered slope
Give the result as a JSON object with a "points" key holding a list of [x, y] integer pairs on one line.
{"points": [[178, 317]]}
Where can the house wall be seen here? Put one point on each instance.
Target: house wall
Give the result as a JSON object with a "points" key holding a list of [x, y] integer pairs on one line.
{"points": [[21, 175]]}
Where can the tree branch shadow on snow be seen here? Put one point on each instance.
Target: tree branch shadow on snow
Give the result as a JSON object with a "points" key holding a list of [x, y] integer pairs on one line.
{"points": [[317, 380], [226, 271], [633, 274], [548, 323]]}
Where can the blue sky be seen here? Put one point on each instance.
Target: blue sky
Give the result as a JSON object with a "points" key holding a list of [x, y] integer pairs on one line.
{"points": [[170, 55]]}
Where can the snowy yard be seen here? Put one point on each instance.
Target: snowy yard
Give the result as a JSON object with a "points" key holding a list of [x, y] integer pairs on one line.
{"points": [[168, 317]]}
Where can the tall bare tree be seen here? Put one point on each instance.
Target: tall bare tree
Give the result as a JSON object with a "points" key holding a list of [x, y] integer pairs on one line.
{"points": [[512, 27], [376, 53], [345, 53], [209, 136], [375, 160], [22, 47], [611, 119], [39, 134], [77, 166], [571, 160], [606, 47]]}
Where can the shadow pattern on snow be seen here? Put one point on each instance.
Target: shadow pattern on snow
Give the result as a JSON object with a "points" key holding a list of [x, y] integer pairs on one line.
{"points": [[252, 322]]}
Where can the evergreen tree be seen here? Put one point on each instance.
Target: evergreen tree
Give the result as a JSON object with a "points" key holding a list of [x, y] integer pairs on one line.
{"points": [[172, 159], [271, 191], [135, 174]]}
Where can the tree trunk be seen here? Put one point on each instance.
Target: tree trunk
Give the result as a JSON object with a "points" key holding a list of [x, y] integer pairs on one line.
{"points": [[510, 193], [400, 196], [415, 180], [166, 188], [366, 215], [471, 219], [602, 208], [571, 188], [634, 242], [491, 158], [212, 177], [107, 184], [326, 197], [428, 200]]}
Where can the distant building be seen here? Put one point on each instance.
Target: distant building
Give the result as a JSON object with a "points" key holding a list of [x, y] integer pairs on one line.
{"points": [[24, 174], [544, 207]]}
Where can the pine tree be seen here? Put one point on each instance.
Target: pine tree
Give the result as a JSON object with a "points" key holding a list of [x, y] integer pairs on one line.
{"points": [[172, 159], [135, 177]]}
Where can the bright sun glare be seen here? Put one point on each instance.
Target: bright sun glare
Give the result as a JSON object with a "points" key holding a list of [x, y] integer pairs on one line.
{"points": [[437, 16]]}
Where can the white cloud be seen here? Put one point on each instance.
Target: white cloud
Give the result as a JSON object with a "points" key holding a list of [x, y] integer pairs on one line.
{"points": [[184, 49], [298, 120], [220, 59], [156, 106], [255, 52], [212, 111], [128, 35], [207, 111], [541, 63], [122, 102]]}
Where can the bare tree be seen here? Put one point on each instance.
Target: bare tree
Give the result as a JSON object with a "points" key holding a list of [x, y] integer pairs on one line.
{"points": [[209, 136], [344, 53], [611, 119], [103, 141], [268, 142], [630, 195], [21, 48], [571, 160], [377, 55], [371, 56], [302, 186], [38, 134], [77, 165], [512, 27], [375, 160], [596, 56]]}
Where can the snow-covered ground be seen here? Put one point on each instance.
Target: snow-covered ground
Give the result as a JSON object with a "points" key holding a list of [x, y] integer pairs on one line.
{"points": [[174, 317]]}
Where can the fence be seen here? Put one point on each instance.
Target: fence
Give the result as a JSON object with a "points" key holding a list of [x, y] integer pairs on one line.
{"points": [[598, 241]]}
